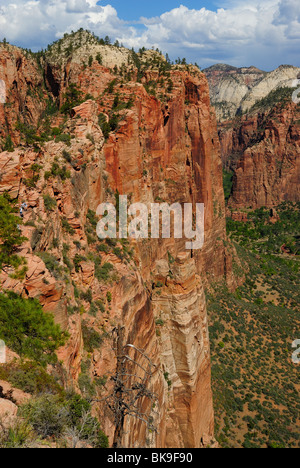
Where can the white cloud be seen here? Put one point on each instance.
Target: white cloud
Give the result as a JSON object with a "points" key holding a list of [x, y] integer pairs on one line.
{"points": [[34, 24], [244, 34], [76, 6], [265, 34], [288, 12]]}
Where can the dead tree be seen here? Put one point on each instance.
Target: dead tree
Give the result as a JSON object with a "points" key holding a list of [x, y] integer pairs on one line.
{"points": [[131, 386]]}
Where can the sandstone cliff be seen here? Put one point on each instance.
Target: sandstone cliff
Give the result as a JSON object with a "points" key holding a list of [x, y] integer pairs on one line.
{"points": [[263, 151], [163, 146], [268, 173]]}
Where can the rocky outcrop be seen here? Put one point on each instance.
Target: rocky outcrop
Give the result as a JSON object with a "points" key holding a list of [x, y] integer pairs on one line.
{"points": [[10, 173], [8, 413], [24, 97], [282, 77], [179, 308], [16, 395], [152, 157]]}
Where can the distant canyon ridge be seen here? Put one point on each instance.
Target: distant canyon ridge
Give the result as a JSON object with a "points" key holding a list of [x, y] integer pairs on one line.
{"points": [[259, 132]]}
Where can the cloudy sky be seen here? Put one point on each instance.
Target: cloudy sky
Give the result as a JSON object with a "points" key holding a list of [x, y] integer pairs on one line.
{"points": [[263, 33]]}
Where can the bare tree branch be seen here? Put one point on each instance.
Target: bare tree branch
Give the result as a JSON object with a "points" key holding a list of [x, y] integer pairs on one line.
{"points": [[130, 389]]}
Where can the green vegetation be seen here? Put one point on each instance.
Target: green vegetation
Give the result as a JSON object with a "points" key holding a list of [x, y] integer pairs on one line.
{"points": [[99, 58], [8, 145], [90, 227], [49, 203], [102, 273], [91, 338], [10, 235], [56, 417], [72, 97], [269, 237], [108, 126], [19, 435], [34, 176], [29, 376], [255, 383], [227, 184], [167, 379], [51, 263], [67, 227], [278, 96], [64, 138], [30, 135], [77, 260], [108, 296], [57, 171], [27, 330]]}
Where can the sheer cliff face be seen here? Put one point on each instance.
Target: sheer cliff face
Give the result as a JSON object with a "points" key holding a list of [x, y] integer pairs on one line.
{"points": [[170, 153], [162, 151], [264, 151], [269, 173]]}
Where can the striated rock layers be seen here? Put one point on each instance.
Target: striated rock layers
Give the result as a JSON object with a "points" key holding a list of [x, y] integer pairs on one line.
{"points": [[264, 151], [228, 87], [164, 148], [261, 144]]}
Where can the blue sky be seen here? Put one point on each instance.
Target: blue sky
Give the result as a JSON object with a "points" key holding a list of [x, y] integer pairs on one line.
{"points": [[263, 33], [132, 10]]}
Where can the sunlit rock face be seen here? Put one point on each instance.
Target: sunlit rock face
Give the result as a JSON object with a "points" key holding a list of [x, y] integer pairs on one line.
{"points": [[164, 149]]}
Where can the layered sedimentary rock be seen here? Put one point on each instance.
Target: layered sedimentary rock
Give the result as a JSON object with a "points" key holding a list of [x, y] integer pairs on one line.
{"points": [[229, 86], [261, 145], [164, 148], [236, 90], [263, 150]]}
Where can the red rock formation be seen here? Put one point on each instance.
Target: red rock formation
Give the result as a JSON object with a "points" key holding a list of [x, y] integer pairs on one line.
{"points": [[236, 136], [23, 83], [268, 171], [162, 150]]}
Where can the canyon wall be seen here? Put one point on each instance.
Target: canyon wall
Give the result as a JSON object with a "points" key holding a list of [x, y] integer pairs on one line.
{"points": [[260, 137], [165, 148], [263, 151]]}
